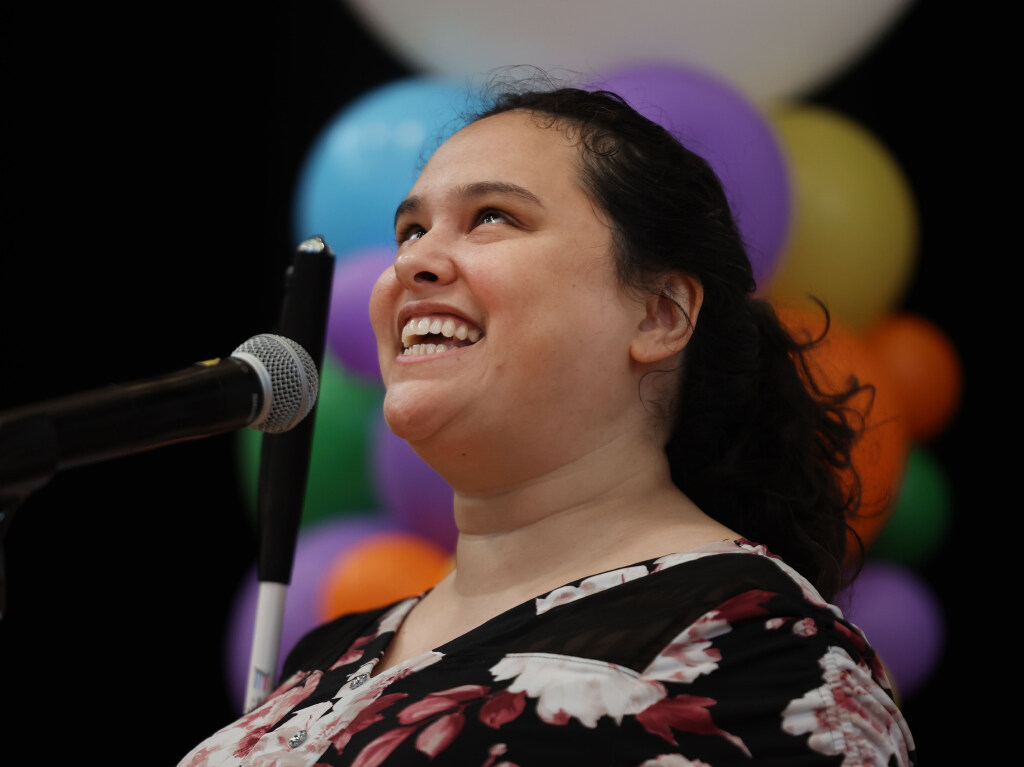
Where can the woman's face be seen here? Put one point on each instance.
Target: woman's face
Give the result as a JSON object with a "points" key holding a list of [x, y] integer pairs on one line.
{"points": [[505, 262]]}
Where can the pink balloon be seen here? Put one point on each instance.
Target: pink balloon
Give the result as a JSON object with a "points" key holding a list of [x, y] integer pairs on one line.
{"points": [[416, 497], [714, 120], [349, 333], [317, 546], [902, 619]]}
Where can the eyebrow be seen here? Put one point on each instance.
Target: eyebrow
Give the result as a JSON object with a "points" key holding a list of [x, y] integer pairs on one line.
{"points": [[414, 202]]}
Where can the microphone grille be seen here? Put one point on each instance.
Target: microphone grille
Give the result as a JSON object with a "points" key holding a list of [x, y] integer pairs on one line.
{"points": [[294, 381]]}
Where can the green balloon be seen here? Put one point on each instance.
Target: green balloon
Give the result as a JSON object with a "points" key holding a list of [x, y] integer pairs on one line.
{"points": [[340, 475], [921, 517]]}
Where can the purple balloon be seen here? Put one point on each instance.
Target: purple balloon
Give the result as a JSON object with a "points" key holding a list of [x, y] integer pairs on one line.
{"points": [[717, 122], [902, 619], [316, 548], [349, 333], [416, 497]]}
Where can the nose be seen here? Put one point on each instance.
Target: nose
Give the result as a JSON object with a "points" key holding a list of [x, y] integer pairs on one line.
{"points": [[425, 263]]}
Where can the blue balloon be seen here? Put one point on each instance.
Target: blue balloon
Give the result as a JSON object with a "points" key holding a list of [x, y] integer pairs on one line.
{"points": [[364, 161]]}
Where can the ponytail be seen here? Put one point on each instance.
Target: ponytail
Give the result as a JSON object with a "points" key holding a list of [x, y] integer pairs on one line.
{"points": [[761, 447]]}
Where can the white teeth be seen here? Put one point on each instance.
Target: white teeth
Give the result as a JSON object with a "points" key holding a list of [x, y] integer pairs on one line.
{"points": [[446, 327], [419, 349]]}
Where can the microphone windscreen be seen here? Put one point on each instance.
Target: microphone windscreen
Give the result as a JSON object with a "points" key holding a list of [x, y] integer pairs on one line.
{"points": [[293, 380]]}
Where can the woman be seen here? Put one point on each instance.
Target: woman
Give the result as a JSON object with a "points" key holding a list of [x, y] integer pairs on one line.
{"points": [[568, 336]]}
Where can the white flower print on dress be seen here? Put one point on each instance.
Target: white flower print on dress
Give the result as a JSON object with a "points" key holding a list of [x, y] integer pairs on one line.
{"points": [[710, 549], [394, 617], [849, 715], [690, 654], [230, 743], [332, 722], [673, 760], [805, 627], [592, 585], [577, 688], [335, 725]]}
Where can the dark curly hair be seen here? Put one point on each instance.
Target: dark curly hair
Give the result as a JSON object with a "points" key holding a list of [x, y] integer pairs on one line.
{"points": [[756, 443]]}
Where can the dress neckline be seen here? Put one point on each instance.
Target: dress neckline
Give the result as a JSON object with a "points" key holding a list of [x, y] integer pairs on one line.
{"points": [[392, 619]]}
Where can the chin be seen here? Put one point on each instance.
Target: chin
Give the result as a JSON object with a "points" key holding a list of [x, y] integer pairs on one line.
{"points": [[409, 417]]}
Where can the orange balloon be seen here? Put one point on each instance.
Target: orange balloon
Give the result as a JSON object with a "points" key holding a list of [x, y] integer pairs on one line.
{"points": [[925, 368], [880, 453], [379, 570]]}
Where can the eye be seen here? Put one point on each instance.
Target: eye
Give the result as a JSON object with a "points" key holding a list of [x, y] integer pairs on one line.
{"points": [[409, 233], [492, 216]]}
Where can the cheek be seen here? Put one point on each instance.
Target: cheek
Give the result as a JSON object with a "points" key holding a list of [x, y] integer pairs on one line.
{"points": [[382, 301], [382, 313]]}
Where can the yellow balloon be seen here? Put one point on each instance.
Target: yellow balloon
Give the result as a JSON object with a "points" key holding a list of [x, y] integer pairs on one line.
{"points": [[854, 236]]}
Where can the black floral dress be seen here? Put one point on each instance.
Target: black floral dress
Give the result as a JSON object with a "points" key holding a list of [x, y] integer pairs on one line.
{"points": [[720, 656]]}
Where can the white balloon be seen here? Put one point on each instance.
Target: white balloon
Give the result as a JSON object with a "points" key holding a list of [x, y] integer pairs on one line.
{"points": [[769, 49]]}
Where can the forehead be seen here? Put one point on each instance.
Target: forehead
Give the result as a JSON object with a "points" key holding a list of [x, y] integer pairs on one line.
{"points": [[512, 147]]}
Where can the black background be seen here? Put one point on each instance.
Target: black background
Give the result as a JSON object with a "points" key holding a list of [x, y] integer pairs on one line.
{"points": [[147, 189]]}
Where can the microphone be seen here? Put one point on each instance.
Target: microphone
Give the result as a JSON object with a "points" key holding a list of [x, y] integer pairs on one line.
{"points": [[269, 383]]}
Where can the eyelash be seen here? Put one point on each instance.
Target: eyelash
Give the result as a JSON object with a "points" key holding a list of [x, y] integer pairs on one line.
{"points": [[415, 231], [488, 212], [406, 233]]}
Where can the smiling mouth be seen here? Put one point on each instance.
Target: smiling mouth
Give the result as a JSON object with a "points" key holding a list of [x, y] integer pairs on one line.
{"points": [[430, 335]]}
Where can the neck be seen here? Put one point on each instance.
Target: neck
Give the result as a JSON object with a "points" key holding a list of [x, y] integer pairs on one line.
{"points": [[607, 509]]}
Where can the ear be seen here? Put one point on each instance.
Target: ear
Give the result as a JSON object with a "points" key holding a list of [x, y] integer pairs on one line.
{"points": [[669, 319]]}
